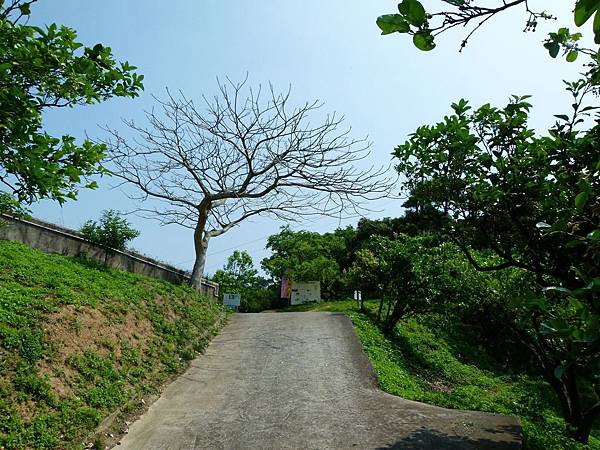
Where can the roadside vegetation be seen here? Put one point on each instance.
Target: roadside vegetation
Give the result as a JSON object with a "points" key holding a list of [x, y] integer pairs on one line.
{"points": [[112, 232], [488, 286], [490, 252], [434, 358], [239, 276], [80, 342]]}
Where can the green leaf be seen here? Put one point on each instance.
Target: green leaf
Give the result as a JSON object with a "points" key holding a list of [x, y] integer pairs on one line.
{"points": [[597, 22], [557, 289], [553, 48], [584, 10], [25, 9], [597, 27], [574, 243], [581, 200], [594, 235], [562, 117], [392, 23], [413, 11], [558, 372], [572, 56], [423, 40]]}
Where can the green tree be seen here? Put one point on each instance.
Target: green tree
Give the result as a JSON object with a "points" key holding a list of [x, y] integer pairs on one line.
{"points": [[11, 206], [239, 276], [418, 219], [42, 69], [364, 275], [404, 271], [238, 273], [307, 256], [534, 201], [111, 232], [424, 27]]}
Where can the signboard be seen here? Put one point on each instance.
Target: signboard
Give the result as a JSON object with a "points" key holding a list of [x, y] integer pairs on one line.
{"points": [[232, 300], [305, 292]]}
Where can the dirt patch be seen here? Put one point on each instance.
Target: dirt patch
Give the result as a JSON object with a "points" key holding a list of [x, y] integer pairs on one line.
{"points": [[114, 427], [168, 312], [440, 386], [72, 330], [24, 409]]}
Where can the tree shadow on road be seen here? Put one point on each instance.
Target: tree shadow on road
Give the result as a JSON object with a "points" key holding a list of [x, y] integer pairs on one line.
{"points": [[425, 438]]}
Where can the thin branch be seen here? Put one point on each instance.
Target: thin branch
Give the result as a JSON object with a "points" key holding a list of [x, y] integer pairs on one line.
{"points": [[241, 155]]}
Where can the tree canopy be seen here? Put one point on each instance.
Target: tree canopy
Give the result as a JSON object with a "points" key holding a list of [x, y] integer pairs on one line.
{"points": [[111, 232], [533, 201], [306, 256], [43, 68], [239, 276], [424, 26], [244, 153]]}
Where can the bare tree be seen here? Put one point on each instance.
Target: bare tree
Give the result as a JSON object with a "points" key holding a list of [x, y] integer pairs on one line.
{"points": [[239, 156]]}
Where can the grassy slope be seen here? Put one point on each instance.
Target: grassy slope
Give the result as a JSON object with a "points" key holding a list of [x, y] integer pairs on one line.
{"points": [[79, 342], [433, 361]]}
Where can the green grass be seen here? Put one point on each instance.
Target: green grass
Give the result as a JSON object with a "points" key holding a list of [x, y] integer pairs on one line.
{"points": [[79, 342], [435, 360]]}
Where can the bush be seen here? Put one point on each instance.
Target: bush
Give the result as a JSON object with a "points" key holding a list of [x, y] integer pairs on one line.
{"points": [[11, 206], [260, 300], [113, 232], [239, 276]]}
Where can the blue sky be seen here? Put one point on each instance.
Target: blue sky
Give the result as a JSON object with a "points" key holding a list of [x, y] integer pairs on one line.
{"points": [[327, 50]]}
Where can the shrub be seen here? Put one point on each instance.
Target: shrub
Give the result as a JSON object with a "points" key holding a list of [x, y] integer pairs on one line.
{"points": [[113, 232]]}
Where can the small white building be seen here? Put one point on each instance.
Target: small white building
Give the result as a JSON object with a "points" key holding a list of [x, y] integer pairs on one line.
{"points": [[305, 292]]}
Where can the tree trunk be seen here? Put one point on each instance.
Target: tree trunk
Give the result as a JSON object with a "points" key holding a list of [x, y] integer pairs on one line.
{"points": [[565, 389], [584, 427], [564, 396], [201, 238], [581, 421], [582, 434], [200, 246], [380, 309], [389, 307], [391, 321], [198, 270]]}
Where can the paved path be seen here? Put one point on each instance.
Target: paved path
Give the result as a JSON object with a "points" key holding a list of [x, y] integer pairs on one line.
{"points": [[301, 381]]}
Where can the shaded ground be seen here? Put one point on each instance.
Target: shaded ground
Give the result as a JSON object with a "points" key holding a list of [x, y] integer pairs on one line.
{"points": [[301, 380]]}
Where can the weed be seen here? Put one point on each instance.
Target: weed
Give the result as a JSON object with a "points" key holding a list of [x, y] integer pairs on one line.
{"points": [[106, 373], [187, 354]]}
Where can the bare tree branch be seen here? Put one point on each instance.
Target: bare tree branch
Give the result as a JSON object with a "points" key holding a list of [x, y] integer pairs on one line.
{"points": [[243, 153]]}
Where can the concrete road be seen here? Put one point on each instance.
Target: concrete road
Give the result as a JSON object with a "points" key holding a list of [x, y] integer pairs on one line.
{"points": [[301, 381]]}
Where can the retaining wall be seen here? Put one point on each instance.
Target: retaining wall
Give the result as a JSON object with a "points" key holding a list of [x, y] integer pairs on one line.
{"points": [[52, 238]]}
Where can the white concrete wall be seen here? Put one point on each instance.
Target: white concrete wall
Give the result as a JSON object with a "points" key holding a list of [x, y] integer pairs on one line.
{"points": [[52, 238]]}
